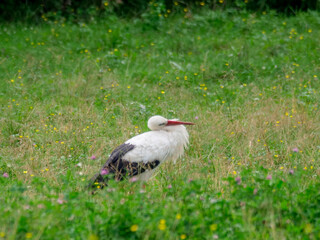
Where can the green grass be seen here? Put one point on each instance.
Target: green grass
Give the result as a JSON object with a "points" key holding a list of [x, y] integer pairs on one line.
{"points": [[250, 82]]}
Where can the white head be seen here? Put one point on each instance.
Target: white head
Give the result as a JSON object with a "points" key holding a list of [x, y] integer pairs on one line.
{"points": [[157, 123], [179, 137]]}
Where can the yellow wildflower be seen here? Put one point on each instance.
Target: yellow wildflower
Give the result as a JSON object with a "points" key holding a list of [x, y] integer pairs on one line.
{"points": [[28, 235], [183, 236], [134, 228], [213, 227], [162, 225], [93, 237]]}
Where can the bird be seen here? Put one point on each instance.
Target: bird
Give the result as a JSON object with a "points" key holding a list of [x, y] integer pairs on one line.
{"points": [[141, 155]]}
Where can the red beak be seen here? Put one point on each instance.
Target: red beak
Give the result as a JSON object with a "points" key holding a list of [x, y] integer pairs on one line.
{"points": [[172, 122]]}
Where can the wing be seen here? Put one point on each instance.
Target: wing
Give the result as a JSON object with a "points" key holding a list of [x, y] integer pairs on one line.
{"points": [[123, 168], [148, 147], [118, 153], [118, 167]]}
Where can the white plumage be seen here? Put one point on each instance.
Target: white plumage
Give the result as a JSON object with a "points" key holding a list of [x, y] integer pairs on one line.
{"points": [[142, 154], [162, 145]]}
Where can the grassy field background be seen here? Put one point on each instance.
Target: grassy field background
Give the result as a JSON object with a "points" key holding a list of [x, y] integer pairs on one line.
{"points": [[72, 92]]}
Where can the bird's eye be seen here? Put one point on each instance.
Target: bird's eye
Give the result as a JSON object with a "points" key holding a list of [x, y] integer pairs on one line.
{"points": [[162, 124]]}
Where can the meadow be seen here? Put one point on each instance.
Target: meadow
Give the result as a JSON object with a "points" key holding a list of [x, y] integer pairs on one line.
{"points": [[71, 92]]}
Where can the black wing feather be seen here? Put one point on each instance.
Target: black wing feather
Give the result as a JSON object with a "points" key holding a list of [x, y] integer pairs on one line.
{"points": [[118, 153], [119, 168]]}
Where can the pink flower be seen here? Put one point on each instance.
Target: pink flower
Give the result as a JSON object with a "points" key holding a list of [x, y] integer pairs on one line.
{"points": [[133, 179], [295, 149], [60, 201], [104, 172], [170, 186], [5, 175], [196, 118], [269, 177], [41, 206], [238, 180], [190, 180], [93, 157], [255, 191], [291, 171]]}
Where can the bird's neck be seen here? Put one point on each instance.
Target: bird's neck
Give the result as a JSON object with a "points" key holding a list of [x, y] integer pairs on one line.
{"points": [[179, 139]]}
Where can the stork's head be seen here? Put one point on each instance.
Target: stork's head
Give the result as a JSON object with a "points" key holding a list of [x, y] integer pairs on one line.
{"points": [[160, 123]]}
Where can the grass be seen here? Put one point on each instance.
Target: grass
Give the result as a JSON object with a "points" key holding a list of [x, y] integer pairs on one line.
{"points": [[70, 93]]}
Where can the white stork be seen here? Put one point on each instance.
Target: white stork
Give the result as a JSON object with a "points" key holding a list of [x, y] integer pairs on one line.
{"points": [[139, 156]]}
